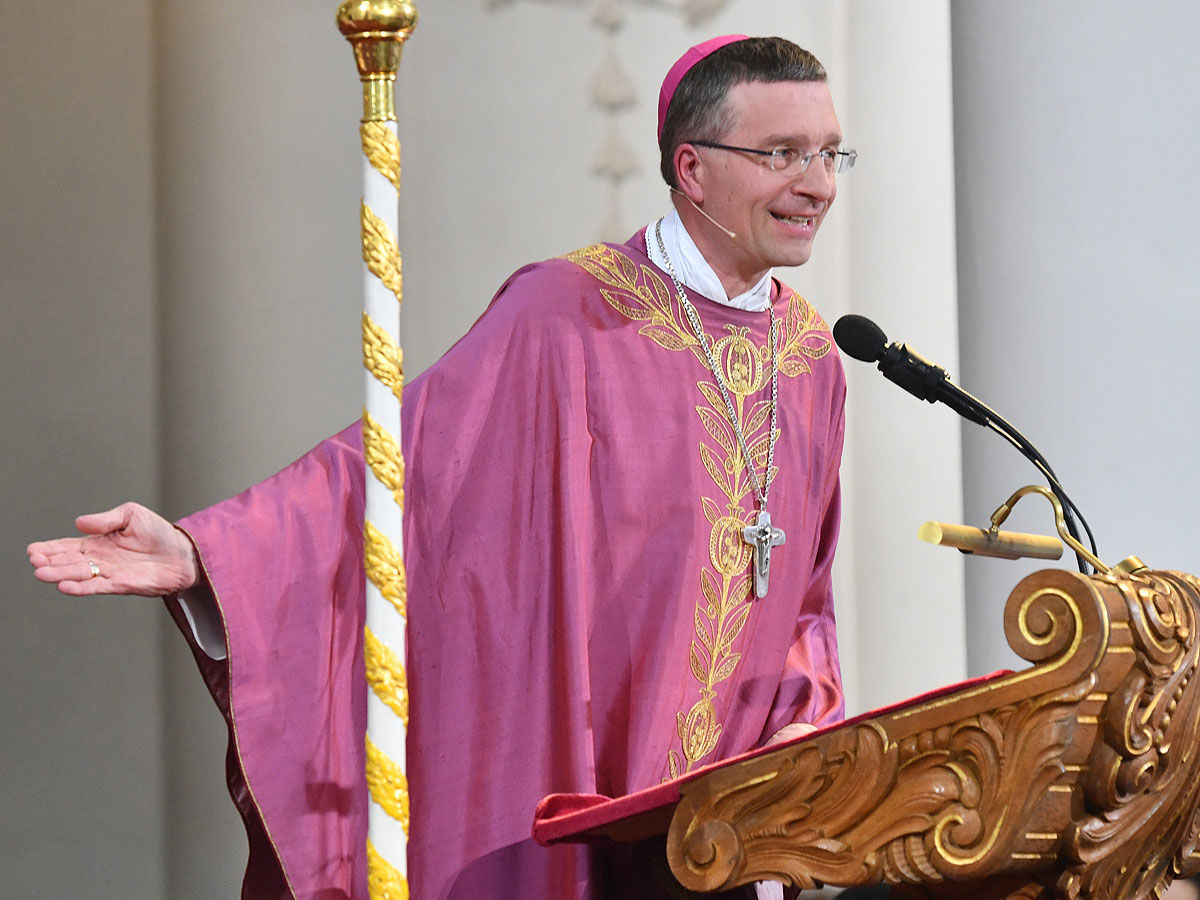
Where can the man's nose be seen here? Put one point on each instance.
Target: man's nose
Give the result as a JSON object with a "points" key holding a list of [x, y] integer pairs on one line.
{"points": [[816, 181]]}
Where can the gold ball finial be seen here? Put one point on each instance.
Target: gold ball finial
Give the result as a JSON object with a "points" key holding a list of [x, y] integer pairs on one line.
{"points": [[355, 17], [377, 30]]}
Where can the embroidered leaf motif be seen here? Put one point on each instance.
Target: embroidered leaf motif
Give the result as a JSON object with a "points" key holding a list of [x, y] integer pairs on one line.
{"points": [[740, 589], [666, 337], [698, 667], [623, 308], [733, 627], [717, 427], [725, 669], [792, 367], [702, 632], [710, 593], [758, 450], [673, 763], [715, 469], [711, 394], [711, 512], [758, 415]]}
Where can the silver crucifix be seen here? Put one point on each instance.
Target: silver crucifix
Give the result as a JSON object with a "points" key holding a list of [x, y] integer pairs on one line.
{"points": [[762, 537]]}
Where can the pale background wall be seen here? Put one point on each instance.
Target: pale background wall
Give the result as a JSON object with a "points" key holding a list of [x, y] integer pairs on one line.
{"points": [[1077, 128], [179, 274]]}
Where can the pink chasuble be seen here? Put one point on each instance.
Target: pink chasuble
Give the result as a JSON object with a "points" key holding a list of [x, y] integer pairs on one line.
{"points": [[579, 596]]}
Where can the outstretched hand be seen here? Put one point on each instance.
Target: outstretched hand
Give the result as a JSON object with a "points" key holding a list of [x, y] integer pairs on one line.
{"points": [[126, 550]]}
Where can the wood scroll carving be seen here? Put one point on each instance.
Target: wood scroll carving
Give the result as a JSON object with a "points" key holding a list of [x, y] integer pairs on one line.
{"points": [[1076, 778]]}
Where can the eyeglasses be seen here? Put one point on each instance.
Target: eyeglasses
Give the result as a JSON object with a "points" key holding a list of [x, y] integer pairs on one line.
{"points": [[791, 160]]}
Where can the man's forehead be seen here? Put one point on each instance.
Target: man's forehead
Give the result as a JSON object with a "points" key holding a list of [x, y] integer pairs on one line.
{"points": [[785, 108]]}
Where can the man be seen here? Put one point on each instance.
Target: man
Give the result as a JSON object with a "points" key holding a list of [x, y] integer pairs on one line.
{"points": [[621, 510]]}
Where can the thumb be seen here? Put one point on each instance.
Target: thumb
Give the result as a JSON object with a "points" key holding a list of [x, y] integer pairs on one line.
{"points": [[106, 522]]}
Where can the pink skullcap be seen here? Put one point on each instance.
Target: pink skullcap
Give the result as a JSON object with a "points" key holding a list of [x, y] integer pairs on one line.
{"points": [[682, 66]]}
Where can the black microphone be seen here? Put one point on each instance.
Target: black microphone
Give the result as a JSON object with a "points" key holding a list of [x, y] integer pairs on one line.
{"points": [[861, 338]]}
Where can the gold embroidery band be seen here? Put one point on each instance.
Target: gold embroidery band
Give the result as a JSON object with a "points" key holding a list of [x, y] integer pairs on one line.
{"points": [[385, 567], [386, 675], [636, 291], [384, 881], [382, 454]]}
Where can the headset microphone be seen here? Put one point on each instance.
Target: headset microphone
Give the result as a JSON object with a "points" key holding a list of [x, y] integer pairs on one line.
{"points": [[732, 234]]}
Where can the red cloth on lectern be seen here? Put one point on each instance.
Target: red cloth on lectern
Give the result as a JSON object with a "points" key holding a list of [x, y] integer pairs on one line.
{"points": [[579, 593]]}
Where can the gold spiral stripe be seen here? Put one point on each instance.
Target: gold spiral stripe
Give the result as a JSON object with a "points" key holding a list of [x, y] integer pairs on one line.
{"points": [[388, 784], [381, 253], [382, 453], [385, 567], [382, 149], [385, 674], [382, 356], [384, 881]]}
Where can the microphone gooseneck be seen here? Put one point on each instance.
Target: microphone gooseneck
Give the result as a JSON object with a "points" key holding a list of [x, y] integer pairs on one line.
{"points": [[862, 339]]}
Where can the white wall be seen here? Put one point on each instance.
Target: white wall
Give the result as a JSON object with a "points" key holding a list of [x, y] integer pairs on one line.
{"points": [[81, 765]]}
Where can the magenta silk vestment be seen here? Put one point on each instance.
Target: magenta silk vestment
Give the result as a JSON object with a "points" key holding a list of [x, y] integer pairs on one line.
{"points": [[580, 614]]}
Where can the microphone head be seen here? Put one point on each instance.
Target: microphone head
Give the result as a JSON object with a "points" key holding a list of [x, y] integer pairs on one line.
{"points": [[859, 337]]}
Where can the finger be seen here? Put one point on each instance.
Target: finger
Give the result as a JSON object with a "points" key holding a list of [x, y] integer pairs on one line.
{"points": [[106, 522], [77, 570], [88, 587], [58, 553], [48, 550]]}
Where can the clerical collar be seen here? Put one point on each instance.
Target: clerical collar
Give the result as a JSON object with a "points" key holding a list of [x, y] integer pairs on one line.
{"points": [[695, 272]]}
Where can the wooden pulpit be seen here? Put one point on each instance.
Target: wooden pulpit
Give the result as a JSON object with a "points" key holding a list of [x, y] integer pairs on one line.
{"points": [[1078, 777]]}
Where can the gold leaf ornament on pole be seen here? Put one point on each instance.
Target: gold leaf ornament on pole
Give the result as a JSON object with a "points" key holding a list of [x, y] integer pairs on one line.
{"points": [[377, 30]]}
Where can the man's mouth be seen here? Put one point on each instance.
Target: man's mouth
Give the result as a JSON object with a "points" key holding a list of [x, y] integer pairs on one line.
{"points": [[804, 221]]}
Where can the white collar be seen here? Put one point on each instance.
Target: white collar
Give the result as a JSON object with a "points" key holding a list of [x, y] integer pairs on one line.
{"points": [[694, 270]]}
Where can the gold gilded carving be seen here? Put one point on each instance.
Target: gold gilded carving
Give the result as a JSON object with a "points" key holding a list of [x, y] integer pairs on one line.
{"points": [[384, 881], [377, 30], [382, 356], [1142, 786], [381, 451], [1076, 778], [385, 567], [386, 675], [382, 149], [724, 603], [381, 252], [388, 784]]}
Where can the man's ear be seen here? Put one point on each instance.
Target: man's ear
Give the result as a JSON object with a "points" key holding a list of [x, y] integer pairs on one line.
{"points": [[689, 172]]}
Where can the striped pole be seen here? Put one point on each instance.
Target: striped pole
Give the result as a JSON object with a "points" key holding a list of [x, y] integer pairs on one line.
{"points": [[377, 30]]}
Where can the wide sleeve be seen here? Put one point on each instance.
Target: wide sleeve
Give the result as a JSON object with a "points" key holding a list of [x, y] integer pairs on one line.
{"points": [[284, 562]]}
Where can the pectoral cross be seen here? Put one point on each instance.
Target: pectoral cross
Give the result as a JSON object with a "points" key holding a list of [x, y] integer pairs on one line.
{"points": [[762, 537]]}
